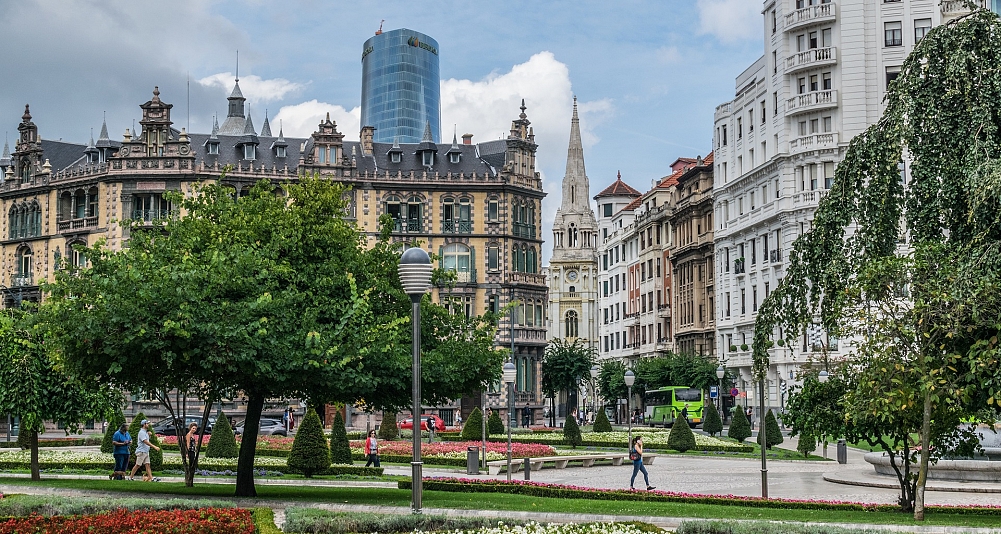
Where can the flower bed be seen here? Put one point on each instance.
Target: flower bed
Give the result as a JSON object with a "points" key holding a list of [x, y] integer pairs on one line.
{"points": [[201, 521], [561, 491], [58, 442], [652, 440]]}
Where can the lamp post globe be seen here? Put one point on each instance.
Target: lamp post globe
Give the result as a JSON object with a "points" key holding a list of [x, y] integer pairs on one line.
{"points": [[594, 389], [720, 373], [629, 378], [415, 276], [823, 376], [510, 375]]}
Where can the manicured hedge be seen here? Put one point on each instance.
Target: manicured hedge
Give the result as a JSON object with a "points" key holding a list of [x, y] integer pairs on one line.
{"points": [[559, 491], [734, 447], [171, 463], [57, 442]]}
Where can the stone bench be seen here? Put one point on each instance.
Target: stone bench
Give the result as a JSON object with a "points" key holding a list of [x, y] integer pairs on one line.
{"points": [[560, 462]]}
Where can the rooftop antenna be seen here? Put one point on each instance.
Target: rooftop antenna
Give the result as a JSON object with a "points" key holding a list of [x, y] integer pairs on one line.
{"points": [[189, 102], [237, 66], [379, 32]]}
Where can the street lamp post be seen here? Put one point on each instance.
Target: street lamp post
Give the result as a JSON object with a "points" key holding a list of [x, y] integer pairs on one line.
{"points": [[629, 379], [823, 377], [510, 374], [594, 389], [415, 275], [720, 373]]}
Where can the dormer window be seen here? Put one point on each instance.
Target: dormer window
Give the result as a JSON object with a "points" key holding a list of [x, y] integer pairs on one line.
{"points": [[427, 158], [213, 148], [250, 151], [395, 157], [453, 157], [280, 152]]}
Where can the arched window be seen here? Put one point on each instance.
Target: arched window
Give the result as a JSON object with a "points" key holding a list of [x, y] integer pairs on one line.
{"points": [[23, 274], [66, 206], [92, 204], [455, 216], [521, 259], [458, 257], [81, 204], [76, 259], [12, 222], [35, 220], [571, 324], [572, 241], [408, 215], [531, 261]]}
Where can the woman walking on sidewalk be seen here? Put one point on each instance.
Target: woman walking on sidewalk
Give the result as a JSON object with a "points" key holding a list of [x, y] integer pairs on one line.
{"points": [[636, 455], [372, 449]]}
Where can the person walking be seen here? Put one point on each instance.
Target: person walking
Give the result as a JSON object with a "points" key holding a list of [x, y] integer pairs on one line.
{"points": [[431, 426], [636, 455], [142, 453], [285, 420], [372, 449], [191, 442], [684, 412], [121, 441]]}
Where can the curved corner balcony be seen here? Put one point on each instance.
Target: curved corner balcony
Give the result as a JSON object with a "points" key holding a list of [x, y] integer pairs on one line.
{"points": [[812, 101], [956, 8], [810, 15], [813, 142], [723, 111], [815, 57]]}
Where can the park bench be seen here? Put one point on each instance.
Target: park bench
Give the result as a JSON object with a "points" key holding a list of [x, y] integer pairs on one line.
{"points": [[561, 462]]}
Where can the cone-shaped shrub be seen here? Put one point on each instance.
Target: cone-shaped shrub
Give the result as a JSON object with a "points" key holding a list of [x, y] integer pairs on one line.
{"points": [[571, 433], [740, 427], [388, 430], [711, 421], [681, 438], [807, 443], [155, 456], [473, 429], [116, 421], [24, 439], [601, 423], [772, 434], [223, 442], [340, 449], [494, 423], [310, 453]]}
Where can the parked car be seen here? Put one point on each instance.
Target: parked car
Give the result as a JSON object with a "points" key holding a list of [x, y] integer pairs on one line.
{"points": [[167, 427], [269, 427], [408, 423]]}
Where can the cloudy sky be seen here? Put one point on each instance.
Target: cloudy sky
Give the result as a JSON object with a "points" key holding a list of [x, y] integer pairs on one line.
{"points": [[648, 74]]}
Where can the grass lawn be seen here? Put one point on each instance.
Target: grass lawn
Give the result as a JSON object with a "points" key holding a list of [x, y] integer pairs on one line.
{"points": [[494, 501]]}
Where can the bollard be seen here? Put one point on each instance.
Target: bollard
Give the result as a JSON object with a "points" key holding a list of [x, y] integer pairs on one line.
{"points": [[842, 452], [472, 460], [528, 469]]}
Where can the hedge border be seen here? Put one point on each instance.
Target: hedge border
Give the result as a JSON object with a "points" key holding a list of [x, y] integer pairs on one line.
{"points": [[557, 491], [56, 442], [591, 443], [176, 464]]}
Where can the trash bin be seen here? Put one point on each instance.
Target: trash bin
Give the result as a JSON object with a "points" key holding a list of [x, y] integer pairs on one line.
{"points": [[472, 460], [842, 452]]}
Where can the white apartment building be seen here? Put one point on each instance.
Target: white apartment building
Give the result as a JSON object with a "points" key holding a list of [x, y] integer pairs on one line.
{"points": [[615, 207], [821, 81]]}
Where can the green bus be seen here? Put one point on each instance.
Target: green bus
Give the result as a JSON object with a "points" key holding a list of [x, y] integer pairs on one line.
{"points": [[664, 405]]}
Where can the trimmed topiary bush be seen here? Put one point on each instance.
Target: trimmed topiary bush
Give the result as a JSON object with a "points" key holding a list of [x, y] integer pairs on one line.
{"points": [[601, 423], [711, 421], [571, 433], [340, 449], [772, 433], [494, 423], [807, 443], [116, 421], [473, 429], [388, 430], [681, 438], [740, 427], [24, 439], [223, 442], [310, 453], [155, 456]]}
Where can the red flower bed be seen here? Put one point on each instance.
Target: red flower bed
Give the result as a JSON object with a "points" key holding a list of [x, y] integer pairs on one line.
{"points": [[204, 521]]}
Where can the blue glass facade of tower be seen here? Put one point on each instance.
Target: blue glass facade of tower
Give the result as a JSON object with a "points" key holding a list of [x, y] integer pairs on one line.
{"points": [[400, 86]]}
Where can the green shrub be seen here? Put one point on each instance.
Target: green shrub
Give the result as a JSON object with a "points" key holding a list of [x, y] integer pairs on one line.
{"points": [[807, 443], [155, 455], [740, 427], [601, 423], [223, 442], [388, 430], [264, 521], [571, 433], [494, 423], [310, 453], [771, 432], [473, 428], [340, 449], [24, 439], [681, 438], [329, 522], [743, 346], [711, 421], [116, 421]]}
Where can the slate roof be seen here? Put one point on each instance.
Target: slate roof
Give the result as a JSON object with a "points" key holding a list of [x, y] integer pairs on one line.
{"points": [[62, 154], [379, 162], [231, 154]]}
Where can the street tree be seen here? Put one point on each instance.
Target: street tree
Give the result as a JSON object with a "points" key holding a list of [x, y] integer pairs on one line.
{"points": [[611, 381], [566, 365], [36, 387], [816, 409], [928, 172]]}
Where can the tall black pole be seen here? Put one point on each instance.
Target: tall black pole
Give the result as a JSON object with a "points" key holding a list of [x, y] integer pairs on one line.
{"points": [[763, 432], [417, 486]]}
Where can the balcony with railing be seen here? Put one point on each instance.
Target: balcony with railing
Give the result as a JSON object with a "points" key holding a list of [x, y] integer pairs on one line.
{"points": [[808, 198], [739, 266], [523, 230], [775, 256], [808, 59], [456, 227], [806, 16], [663, 310], [148, 216], [465, 277], [812, 101], [956, 8], [21, 280], [408, 226], [814, 142], [523, 397], [77, 223], [526, 278]]}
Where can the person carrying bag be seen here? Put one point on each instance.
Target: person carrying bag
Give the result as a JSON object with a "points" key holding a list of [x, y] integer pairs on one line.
{"points": [[372, 449], [636, 455]]}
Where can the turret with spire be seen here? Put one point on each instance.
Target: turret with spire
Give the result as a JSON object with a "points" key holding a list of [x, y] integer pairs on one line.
{"points": [[266, 129], [575, 227], [235, 123]]}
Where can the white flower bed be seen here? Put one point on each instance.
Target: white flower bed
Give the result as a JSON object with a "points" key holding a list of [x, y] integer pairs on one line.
{"points": [[651, 438], [562, 528], [100, 459]]}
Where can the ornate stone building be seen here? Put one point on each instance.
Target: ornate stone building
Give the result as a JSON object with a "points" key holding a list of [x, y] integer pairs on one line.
{"points": [[477, 206]]}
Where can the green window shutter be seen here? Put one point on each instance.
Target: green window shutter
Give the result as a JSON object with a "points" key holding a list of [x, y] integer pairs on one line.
{"points": [[472, 264], [441, 256]]}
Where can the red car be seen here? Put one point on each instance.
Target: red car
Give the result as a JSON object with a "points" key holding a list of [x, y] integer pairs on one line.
{"points": [[408, 423]]}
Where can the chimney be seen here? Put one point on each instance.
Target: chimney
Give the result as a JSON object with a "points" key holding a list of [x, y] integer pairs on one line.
{"points": [[366, 136], [467, 139]]}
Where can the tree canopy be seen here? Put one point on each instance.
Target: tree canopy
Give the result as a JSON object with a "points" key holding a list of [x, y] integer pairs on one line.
{"points": [[565, 366]]}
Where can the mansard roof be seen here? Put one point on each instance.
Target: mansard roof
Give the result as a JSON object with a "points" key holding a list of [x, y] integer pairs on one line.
{"points": [[231, 151]]}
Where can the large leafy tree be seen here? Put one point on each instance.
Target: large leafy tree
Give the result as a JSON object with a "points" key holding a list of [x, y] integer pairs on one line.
{"points": [[565, 367], [267, 296], [37, 388], [943, 119]]}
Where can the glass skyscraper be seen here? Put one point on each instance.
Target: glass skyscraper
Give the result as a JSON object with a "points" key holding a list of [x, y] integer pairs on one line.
{"points": [[400, 86]]}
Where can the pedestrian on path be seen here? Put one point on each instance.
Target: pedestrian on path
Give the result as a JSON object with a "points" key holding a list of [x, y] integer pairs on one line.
{"points": [[191, 441], [121, 441], [142, 453], [636, 455], [372, 449], [430, 429]]}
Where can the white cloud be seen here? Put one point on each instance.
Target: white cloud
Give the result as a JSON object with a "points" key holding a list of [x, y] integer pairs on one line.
{"points": [[668, 55], [300, 120], [730, 21], [255, 88]]}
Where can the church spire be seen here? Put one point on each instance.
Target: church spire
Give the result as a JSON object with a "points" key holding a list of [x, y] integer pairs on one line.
{"points": [[575, 182]]}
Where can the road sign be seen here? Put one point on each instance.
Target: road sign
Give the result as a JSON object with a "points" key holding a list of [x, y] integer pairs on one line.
{"points": [[713, 392], [734, 392]]}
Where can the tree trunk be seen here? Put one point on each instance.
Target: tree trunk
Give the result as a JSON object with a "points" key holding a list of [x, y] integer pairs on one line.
{"points": [[35, 471], [192, 465], [248, 447], [919, 493]]}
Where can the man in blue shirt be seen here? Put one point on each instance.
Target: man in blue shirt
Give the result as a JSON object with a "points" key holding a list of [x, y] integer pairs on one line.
{"points": [[121, 440]]}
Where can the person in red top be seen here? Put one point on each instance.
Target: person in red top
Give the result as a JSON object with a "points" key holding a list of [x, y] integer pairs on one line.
{"points": [[372, 449]]}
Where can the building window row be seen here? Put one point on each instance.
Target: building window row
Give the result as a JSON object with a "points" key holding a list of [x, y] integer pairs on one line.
{"points": [[25, 220]]}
